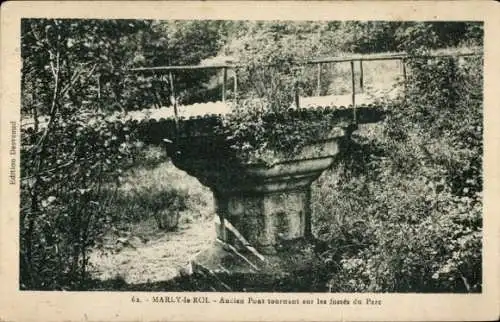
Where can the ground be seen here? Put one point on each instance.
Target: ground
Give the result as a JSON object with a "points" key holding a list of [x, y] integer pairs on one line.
{"points": [[160, 258], [138, 251]]}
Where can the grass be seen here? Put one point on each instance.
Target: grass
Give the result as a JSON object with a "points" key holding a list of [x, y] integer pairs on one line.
{"points": [[137, 248]]}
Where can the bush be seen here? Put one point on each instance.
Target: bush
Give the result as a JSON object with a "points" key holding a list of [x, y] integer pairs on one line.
{"points": [[70, 172], [74, 76], [71, 156], [408, 216], [148, 192], [265, 124]]}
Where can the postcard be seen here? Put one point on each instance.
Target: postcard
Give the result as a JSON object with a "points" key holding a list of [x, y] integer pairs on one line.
{"points": [[249, 161]]}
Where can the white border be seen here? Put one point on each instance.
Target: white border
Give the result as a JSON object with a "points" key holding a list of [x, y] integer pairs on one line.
{"points": [[115, 306]]}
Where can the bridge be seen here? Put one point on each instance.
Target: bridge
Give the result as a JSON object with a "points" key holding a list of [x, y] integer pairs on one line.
{"points": [[357, 96], [260, 207]]}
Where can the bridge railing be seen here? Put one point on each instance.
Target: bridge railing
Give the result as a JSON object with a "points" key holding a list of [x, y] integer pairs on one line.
{"points": [[351, 59]]}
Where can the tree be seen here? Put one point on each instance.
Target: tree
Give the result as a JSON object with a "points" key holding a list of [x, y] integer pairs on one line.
{"points": [[70, 155], [181, 43], [75, 74]]}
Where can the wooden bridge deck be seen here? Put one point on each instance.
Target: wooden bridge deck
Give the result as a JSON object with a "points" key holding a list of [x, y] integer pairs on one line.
{"points": [[222, 108]]}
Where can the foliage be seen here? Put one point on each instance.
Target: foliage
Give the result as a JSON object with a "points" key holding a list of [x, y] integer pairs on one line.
{"points": [[177, 43], [268, 60], [333, 37], [412, 36], [407, 216], [364, 36], [74, 75], [70, 164], [89, 57], [388, 36], [70, 161], [401, 234], [146, 193], [70, 174], [260, 136], [262, 125]]}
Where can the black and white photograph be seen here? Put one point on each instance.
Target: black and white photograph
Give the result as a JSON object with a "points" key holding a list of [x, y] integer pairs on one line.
{"points": [[248, 156], [238, 159]]}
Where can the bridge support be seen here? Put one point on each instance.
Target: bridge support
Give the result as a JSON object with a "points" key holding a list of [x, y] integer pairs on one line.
{"points": [[264, 217]]}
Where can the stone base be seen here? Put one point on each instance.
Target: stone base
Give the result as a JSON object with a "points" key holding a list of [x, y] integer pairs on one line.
{"points": [[264, 220], [288, 270], [264, 213]]}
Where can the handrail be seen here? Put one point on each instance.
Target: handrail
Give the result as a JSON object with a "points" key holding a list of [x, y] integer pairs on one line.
{"points": [[390, 56], [401, 56], [336, 59], [179, 67]]}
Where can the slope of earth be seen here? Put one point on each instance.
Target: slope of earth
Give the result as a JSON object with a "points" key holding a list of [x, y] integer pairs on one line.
{"points": [[138, 259], [135, 249]]}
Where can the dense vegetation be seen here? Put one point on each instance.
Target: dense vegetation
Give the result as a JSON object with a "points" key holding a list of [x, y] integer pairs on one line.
{"points": [[400, 211], [407, 197]]}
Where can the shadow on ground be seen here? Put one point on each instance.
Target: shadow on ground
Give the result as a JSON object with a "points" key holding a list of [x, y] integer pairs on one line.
{"points": [[202, 283]]}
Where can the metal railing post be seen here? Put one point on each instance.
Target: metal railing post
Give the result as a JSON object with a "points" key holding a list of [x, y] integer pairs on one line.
{"points": [[296, 93], [405, 78], [235, 86], [361, 80], [353, 81], [224, 82], [173, 100], [318, 85]]}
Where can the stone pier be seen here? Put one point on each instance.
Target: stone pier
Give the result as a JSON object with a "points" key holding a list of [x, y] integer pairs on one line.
{"points": [[264, 215]]}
